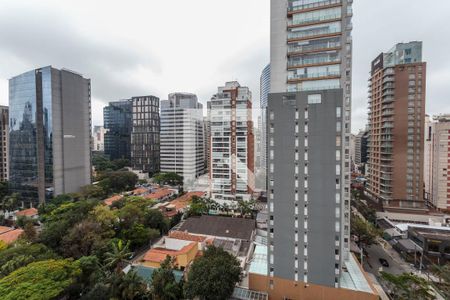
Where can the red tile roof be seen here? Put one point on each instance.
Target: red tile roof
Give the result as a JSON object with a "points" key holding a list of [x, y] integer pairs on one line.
{"points": [[139, 191], [4, 229], [185, 200], [159, 194], [30, 212], [112, 199], [179, 235], [159, 254], [11, 236]]}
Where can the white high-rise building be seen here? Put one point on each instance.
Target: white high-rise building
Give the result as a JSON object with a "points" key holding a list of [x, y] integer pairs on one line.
{"points": [[436, 161], [232, 144], [99, 138], [182, 137]]}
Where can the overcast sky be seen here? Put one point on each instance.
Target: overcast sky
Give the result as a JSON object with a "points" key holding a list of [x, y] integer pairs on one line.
{"points": [[155, 47]]}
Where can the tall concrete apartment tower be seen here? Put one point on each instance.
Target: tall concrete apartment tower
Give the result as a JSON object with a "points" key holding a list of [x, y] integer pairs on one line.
{"points": [[396, 124], [99, 139], [49, 133], [145, 134], [232, 144], [308, 147], [4, 138], [437, 164], [264, 97], [182, 137]]}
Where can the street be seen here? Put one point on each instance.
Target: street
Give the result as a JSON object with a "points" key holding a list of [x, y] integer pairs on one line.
{"points": [[372, 263]]}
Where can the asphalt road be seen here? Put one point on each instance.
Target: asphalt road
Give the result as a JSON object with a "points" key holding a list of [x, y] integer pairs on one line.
{"points": [[372, 263]]}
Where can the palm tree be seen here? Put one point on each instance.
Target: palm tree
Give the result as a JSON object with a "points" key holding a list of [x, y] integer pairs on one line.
{"points": [[132, 286], [118, 256]]}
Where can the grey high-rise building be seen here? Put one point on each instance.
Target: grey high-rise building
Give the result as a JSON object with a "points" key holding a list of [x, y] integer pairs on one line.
{"points": [[145, 139], [117, 118], [264, 97], [4, 137], [182, 136], [309, 143], [49, 133]]}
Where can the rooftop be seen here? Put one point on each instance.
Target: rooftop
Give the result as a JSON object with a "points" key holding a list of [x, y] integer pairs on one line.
{"points": [[10, 236], [354, 278], [30, 212], [159, 193], [160, 254], [4, 229], [237, 228], [186, 236], [112, 199]]}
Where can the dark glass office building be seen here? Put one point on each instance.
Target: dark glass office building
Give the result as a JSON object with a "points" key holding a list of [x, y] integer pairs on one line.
{"points": [[49, 133], [145, 136], [118, 123]]}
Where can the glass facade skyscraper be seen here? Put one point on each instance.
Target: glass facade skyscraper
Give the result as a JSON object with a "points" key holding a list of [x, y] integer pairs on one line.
{"points": [[117, 118], [49, 134]]}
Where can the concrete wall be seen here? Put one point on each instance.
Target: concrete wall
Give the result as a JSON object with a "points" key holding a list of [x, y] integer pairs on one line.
{"points": [[279, 288]]}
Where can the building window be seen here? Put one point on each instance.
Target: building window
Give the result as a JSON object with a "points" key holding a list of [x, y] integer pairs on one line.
{"points": [[315, 99]]}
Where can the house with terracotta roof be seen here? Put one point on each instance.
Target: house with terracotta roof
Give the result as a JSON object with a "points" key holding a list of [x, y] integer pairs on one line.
{"points": [[179, 205], [141, 191], [29, 213], [184, 252], [9, 235], [112, 199], [201, 240], [161, 194]]}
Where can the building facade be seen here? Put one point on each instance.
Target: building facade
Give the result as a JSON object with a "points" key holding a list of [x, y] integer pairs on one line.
{"points": [[437, 163], [4, 138], [264, 97], [396, 124], [145, 134], [49, 134], [117, 118], [232, 144], [182, 137], [361, 147], [98, 139], [308, 143]]}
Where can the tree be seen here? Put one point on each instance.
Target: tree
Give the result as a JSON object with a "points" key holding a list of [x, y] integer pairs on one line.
{"points": [[84, 239], [104, 216], [46, 279], [364, 231], [119, 254], [246, 207], [168, 178], [408, 287], [11, 202], [156, 220], [29, 232], [95, 191], [4, 189], [130, 286], [164, 285], [139, 235], [213, 276], [13, 258], [443, 273], [3, 245], [118, 181], [198, 206]]}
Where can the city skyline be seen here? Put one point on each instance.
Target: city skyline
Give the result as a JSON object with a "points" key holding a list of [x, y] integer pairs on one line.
{"points": [[153, 67]]}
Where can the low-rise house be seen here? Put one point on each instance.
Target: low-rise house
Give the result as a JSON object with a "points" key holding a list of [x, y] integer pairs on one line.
{"points": [[179, 205], [29, 213], [9, 235], [235, 235], [140, 191], [161, 194], [112, 199], [183, 252]]}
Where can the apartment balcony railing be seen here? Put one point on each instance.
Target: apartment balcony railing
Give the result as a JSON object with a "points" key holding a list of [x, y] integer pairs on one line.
{"points": [[388, 72], [313, 75], [293, 8], [328, 18], [388, 113], [313, 48], [388, 85], [314, 61], [310, 33], [388, 79], [388, 92], [388, 99]]}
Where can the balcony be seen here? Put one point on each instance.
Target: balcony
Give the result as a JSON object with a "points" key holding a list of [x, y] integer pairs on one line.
{"points": [[316, 20], [302, 35], [388, 85], [305, 77], [313, 6], [388, 79], [388, 99], [313, 62], [294, 49]]}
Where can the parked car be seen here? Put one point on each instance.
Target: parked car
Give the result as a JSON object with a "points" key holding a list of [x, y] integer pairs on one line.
{"points": [[384, 262]]}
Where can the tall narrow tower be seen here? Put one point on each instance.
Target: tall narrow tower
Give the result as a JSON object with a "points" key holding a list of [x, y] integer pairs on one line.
{"points": [[308, 141]]}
